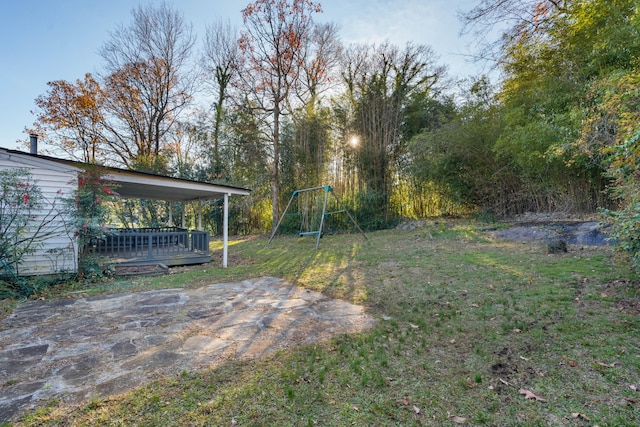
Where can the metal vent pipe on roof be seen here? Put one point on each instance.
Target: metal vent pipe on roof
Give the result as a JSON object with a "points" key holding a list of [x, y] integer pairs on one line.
{"points": [[33, 143]]}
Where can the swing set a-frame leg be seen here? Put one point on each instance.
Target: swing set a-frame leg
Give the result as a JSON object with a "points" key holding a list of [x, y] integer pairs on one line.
{"points": [[318, 233], [324, 209], [350, 217], [273, 233]]}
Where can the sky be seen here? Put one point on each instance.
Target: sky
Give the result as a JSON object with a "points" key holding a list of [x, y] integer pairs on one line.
{"points": [[47, 40]]}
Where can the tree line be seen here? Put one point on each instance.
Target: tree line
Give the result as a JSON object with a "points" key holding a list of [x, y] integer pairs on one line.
{"points": [[290, 107]]}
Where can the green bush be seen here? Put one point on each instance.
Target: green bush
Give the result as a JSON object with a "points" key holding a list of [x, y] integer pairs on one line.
{"points": [[626, 189], [373, 212]]}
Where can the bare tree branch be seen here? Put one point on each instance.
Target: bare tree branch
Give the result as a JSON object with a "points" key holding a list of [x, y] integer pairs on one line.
{"points": [[146, 80], [494, 23]]}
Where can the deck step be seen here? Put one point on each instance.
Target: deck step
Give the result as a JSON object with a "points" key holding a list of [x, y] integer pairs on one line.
{"points": [[140, 269]]}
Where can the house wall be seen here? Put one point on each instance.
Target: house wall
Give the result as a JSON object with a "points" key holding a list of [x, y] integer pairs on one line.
{"points": [[57, 249]]}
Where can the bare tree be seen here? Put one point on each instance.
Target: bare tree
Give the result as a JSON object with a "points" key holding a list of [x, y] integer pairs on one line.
{"points": [[220, 63], [513, 17], [309, 142], [146, 84], [320, 66], [274, 46]]}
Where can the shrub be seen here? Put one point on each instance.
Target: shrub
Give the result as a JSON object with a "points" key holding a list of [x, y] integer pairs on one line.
{"points": [[19, 199], [90, 215], [372, 211], [24, 223], [626, 189]]}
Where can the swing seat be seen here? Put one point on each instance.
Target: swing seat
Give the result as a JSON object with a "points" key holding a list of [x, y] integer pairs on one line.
{"points": [[308, 233]]}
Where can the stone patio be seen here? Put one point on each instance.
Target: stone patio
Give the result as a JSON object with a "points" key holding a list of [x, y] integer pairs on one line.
{"points": [[81, 348]]}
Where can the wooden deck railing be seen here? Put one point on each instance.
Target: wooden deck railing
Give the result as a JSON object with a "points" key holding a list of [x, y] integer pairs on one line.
{"points": [[154, 244]]}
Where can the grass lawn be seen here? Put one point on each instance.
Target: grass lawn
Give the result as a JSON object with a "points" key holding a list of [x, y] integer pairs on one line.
{"points": [[470, 331]]}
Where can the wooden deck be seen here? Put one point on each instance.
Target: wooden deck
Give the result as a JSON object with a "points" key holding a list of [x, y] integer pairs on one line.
{"points": [[170, 246]]}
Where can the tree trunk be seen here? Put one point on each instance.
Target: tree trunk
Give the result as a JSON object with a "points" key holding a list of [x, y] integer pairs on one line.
{"points": [[217, 168], [275, 175], [222, 77]]}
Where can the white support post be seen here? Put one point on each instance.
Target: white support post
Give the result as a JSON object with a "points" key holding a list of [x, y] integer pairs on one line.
{"points": [[199, 215], [184, 215], [170, 223], [225, 231]]}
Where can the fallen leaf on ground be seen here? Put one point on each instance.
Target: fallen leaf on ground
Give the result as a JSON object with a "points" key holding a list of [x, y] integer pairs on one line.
{"points": [[414, 326], [607, 365], [530, 395], [633, 387], [526, 359], [475, 305], [572, 364], [579, 415], [459, 420], [504, 382], [416, 409], [404, 402]]}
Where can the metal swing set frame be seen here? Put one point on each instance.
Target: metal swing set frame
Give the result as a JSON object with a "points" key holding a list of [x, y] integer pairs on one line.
{"points": [[318, 233]]}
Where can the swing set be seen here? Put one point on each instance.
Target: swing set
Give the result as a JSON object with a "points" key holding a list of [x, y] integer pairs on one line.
{"points": [[308, 206]]}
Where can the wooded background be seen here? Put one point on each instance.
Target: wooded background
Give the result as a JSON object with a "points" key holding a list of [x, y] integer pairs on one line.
{"points": [[281, 104]]}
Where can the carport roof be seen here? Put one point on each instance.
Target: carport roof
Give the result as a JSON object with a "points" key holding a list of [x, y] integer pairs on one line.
{"points": [[142, 185], [149, 186]]}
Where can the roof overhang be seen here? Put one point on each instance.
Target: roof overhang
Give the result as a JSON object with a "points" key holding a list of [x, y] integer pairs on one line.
{"points": [[141, 185]]}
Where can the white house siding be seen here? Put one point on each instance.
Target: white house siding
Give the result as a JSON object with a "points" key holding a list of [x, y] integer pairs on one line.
{"points": [[58, 251]]}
